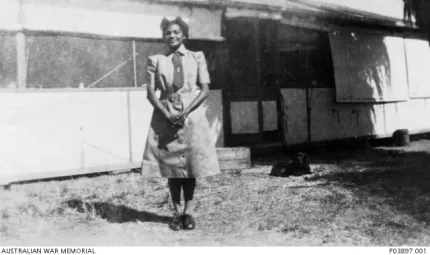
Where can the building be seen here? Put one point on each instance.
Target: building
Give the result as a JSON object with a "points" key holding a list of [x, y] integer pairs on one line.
{"points": [[72, 76]]}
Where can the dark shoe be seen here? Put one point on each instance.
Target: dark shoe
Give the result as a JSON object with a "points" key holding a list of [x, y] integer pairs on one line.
{"points": [[176, 222], [189, 222]]}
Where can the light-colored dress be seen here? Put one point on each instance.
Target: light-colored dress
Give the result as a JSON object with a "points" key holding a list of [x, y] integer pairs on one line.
{"points": [[173, 152]]}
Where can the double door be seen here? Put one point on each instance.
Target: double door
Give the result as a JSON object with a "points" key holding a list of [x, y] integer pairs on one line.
{"points": [[251, 98]]}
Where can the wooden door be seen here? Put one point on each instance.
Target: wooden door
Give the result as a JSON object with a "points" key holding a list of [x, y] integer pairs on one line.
{"points": [[251, 106]]}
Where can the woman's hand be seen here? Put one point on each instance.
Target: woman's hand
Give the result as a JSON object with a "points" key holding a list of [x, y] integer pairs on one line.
{"points": [[172, 117], [182, 116], [177, 121], [180, 119]]}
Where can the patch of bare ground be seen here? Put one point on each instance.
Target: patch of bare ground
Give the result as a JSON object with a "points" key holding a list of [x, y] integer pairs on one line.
{"points": [[378, 196]]}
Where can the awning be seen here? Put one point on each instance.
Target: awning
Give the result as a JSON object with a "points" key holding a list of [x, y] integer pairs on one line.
{"points": [[330, 14], [275, 11], [116, 19], [139, 19], [368, 66], [375, 11], [418, 59], [232, 13]]}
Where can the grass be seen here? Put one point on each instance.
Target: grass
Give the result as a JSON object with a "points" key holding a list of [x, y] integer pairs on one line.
{"points": [[357, 197]]}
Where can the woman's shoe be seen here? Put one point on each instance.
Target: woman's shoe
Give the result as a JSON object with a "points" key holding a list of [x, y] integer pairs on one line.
{"points": [[176, 222], [189, 222]]}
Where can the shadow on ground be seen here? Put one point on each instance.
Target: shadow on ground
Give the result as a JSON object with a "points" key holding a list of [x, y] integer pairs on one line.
{"points": [[116, 214], [397, 178]]}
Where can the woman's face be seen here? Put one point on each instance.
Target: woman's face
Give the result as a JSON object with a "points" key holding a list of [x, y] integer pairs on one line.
{"points": [[173, 36]]}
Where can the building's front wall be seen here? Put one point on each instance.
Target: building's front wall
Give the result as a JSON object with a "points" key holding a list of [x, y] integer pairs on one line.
{"points": [[82, 106], [378, 83], [47, 130], [59, 131], [332, 121]]}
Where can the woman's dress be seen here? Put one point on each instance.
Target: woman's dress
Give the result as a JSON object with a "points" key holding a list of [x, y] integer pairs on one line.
{"points": [[170, 151]]}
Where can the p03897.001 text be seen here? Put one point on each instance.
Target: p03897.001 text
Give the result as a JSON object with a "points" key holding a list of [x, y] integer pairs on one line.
{"points": [[407, 251]]}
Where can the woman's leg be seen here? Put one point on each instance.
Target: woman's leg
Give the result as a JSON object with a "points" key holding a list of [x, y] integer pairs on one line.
{"points": [[175, 186], [189, 186]]}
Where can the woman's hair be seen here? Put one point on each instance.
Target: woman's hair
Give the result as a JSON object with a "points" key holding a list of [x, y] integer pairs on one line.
{"points": [[165, 23]]}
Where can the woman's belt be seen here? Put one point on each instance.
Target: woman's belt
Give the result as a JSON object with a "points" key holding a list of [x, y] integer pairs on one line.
{"points": [[175, 96]]}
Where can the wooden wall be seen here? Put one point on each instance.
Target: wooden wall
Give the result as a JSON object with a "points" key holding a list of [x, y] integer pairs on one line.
{"points": [[8, 58], [60, 131], [244, 117], [296, 130], [332, 121]]}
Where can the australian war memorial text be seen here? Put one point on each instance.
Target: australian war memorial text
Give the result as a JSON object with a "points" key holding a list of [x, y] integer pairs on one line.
{"points": [[47, 251]]}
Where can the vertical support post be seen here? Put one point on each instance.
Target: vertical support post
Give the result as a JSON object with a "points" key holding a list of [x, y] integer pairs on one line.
{"points": [[226, 99], [21, 61], [275, 51], [134, 64], [308, 85], [256, 30], [130, 141], [81, 131], [308, 115]]}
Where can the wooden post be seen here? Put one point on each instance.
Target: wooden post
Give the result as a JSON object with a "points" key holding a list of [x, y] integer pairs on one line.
{"points": [[134, 64], [130, 136], [256, 34], [308, 115], [130, 143], [21, 61], [81, 132]]}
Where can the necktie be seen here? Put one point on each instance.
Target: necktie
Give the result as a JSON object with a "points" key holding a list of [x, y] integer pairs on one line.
{"points": [[178, 72]]}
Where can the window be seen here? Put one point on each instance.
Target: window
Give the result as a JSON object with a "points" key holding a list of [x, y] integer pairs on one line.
{"points": [[74, 62], [215, 59], [240, 36], [268, 30], [146, 49], [305, 58]]}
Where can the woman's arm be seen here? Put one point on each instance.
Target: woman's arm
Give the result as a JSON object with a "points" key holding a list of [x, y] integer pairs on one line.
{"points": [[200, 98], [152, 97], [203, 81]]}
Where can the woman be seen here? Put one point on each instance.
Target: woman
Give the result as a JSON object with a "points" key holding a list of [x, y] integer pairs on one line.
{"points": [[178, 139]]}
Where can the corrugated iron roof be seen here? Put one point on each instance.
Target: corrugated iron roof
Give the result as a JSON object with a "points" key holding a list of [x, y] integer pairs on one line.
{"points": [[331, 10], [334, 9]]}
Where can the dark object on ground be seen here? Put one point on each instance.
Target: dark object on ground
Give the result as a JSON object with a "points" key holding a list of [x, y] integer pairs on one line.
{"points": [[299, 166], [176, 222], [5, 187], [401, 137], [189, 222]]}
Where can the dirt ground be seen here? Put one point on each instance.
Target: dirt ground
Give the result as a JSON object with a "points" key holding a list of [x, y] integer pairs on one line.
{"points": [[354, 197]]}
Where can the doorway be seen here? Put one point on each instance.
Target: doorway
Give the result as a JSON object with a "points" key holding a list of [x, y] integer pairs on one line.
{"points": [[251, 96]]}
